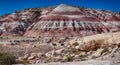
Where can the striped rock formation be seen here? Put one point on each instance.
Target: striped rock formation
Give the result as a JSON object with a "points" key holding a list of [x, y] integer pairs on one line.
{"points": [[65, 20], [15, 24]]}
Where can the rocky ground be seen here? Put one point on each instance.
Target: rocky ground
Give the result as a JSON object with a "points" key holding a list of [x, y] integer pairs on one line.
{"points": [[93, 62], [101, 47]]}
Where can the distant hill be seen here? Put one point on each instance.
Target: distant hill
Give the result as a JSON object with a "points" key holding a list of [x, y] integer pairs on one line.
{"points": [[63, 20]]}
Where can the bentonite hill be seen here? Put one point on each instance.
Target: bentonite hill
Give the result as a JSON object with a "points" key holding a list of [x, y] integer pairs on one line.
{"points": [[63, 20]]}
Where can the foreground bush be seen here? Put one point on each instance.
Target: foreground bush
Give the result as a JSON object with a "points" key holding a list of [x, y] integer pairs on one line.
{"points": [[7, 59]]}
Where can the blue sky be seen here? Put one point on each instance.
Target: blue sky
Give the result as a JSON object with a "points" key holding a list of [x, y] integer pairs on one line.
{"points": [[9, 6]]}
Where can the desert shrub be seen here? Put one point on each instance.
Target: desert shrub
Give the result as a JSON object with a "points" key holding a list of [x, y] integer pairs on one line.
{"points": [[119, 45], [68, 59], [83, 56], [82, 59], [73, 50], [94, 57], [0, 45], [7, 59]]}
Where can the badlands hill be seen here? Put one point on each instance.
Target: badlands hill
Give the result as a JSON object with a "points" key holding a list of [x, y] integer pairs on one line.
{"points": [[62, 20]]}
